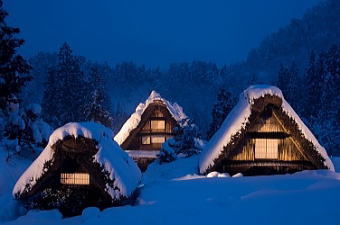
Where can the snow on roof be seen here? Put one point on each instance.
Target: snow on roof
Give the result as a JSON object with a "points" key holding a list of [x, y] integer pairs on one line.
{"points": [[239, 117], [175, 110], [122, 169]]}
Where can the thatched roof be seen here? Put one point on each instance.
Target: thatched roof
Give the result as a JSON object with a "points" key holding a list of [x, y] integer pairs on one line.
{"points": [[131, 124], [113, 170], [251, 101]]}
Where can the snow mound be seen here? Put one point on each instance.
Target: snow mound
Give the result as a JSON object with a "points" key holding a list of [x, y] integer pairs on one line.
{"points": [[239, 117], [121, 168], [175, 110]]}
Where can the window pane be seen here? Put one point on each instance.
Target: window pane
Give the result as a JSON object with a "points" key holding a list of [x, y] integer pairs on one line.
{"points": [[272, 148], [158, 139], [158, 124], [260, 148], [75, 178], [266, 148], [146, 140]]}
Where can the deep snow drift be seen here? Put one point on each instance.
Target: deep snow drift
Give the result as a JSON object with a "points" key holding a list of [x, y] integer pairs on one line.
{"points": [[173, 194]]}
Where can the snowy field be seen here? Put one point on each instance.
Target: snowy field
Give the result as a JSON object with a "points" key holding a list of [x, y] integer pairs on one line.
{"points": [[173, 194]]}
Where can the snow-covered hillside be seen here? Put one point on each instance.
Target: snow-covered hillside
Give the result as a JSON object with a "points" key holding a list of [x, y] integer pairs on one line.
{"points": [[173, 194]]}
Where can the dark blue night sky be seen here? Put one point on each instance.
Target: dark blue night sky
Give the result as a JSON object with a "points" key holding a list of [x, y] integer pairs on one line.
{"points": [[152, 32]]}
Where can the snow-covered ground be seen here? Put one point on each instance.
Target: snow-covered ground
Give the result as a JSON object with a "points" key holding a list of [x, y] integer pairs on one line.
{"points": [[173, 194]]}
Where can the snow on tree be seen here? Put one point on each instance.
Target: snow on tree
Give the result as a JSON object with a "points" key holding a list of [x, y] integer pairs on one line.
{"points": [[289, 81], [327, 120], [65, 95], [37, 131], [314, 76], [220, 110], [13, 76], [13, 66], [185, 143], [97, 108]]}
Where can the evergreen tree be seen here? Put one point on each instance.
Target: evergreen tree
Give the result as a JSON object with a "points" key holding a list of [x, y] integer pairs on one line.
{"points": [[324, 100], [14, 71], [65, 95], [328, 119], [220, 110], [185, 143], [289, 82], [97, 108], [13, 66], [315, 76], [283, 78]]}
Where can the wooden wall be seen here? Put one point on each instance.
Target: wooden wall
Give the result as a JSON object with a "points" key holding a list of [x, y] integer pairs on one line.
{"points": [[268, 128]]}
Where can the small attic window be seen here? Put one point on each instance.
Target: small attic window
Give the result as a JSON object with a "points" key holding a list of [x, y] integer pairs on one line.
{"points": [[75, 178]]}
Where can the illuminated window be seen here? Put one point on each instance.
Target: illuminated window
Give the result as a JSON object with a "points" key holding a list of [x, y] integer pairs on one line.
{"points": [[75, 178], [158, 139], [146, 140], [266, 148], [158, 124]]}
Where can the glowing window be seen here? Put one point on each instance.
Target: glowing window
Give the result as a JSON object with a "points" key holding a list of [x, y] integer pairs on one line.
{"points": [[158, 124], [146, 140], [158, 139], [266, 148], [75, 178]]}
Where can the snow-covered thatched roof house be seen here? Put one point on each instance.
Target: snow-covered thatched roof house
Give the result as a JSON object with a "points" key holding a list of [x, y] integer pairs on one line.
{"points": [[263, 135], [149, 126], [81, 166]]}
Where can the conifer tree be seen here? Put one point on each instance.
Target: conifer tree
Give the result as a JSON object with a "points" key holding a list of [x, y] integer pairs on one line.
{"points": [[13, 67], [315, 76], [65, 95], [97, 108], [220, 110], [185, 143], [288, 82]]}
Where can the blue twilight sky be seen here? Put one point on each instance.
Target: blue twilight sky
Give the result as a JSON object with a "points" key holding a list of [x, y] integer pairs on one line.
{"points": [[152, 32]]}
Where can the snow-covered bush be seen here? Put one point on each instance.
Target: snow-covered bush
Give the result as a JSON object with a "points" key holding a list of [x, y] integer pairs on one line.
{"points": [[185, 143], [23, 129], [37, 131]]}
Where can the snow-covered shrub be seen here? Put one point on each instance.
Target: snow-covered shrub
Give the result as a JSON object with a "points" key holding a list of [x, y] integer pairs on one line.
{"points": [[37, 131], [185, 143], [14, 121], [167, 153], [23, 129]]}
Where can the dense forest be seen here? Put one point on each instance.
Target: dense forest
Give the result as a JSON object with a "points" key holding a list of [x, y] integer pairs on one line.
{"points": [[303, 59]]}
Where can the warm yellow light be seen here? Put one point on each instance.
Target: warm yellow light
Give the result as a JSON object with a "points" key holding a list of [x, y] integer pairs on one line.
{"points": [[75, 178], [266, 148]]}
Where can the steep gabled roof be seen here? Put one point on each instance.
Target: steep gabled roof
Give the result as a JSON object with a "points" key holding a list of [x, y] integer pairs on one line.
{"points": [[115, 163], [175, 110], [238, 120]]}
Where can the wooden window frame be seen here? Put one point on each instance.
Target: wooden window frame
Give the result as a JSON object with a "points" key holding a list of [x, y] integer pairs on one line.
{"points": [[266, 148], [76, 179]]}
